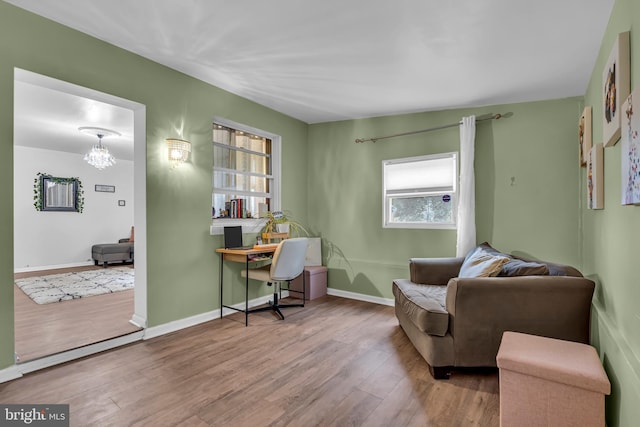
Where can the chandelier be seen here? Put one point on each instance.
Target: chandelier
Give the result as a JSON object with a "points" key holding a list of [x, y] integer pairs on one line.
{"points": [[99, 156]]}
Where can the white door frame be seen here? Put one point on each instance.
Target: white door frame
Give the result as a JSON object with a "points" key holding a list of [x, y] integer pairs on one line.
{"points": [[139, 317]]}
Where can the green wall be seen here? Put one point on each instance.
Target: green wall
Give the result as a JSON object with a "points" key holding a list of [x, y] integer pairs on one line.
{"points": [[527, 198], [182, 266], [611, 244]]}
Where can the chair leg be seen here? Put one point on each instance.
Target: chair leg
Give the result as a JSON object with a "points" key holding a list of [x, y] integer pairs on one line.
{"points": [[275, 305]]}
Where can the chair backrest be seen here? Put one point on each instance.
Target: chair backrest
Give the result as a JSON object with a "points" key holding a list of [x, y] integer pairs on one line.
{"points": [[288, 259]]}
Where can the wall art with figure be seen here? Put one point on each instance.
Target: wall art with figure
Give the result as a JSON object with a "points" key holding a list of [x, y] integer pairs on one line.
{"points": [[615, 89]]}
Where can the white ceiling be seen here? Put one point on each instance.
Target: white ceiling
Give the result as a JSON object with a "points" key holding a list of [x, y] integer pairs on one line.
{"points": [[343, 59], [48, 117]]}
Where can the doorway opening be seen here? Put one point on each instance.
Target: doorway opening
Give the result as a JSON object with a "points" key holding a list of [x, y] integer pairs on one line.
{"points": [[47, 116]]}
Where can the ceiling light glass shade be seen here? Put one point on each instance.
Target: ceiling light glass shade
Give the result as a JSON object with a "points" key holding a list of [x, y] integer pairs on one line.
{"points": [[99, 156], [178, 151]]}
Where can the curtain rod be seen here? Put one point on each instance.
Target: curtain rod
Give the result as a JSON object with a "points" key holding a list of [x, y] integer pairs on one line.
{"points": [[450, 125]]}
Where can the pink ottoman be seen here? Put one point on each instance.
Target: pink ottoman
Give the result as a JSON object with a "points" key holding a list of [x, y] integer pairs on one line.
{"points": [[315, 278], [550, 382]]}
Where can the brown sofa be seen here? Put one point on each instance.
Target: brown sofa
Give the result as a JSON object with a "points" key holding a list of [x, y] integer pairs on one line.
{"points": [[458, 321]]}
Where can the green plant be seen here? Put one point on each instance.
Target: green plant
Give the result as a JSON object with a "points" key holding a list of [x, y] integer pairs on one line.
{"points": [[279, 217]]}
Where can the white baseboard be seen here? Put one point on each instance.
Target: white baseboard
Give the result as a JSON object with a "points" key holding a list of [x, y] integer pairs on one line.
{"points": [[360, 297], [10, 373], [138, 321], [52, 267], [176, 325], [77, 353]]}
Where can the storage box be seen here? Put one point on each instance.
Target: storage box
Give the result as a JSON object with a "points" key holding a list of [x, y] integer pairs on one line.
{"points": [[550, 382], [315, 280]]}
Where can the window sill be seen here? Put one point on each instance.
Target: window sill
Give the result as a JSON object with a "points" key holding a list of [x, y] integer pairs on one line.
{"points": [[249, 225], [431, 226]]}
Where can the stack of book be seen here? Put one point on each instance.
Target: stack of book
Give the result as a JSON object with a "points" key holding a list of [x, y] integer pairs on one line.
{"points": [[236, 208]]}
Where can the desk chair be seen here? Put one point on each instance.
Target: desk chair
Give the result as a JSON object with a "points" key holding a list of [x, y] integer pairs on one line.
{"points": [[287, 264]]}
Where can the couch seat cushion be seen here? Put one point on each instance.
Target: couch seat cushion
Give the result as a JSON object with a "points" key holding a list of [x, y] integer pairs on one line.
{"points": [[424, 305], [112, 248]]}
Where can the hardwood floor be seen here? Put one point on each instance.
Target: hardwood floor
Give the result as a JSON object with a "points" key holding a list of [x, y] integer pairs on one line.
{"points": [[45, 329], [336, 362]]}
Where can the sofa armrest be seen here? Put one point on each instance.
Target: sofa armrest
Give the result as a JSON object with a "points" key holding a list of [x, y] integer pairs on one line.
{"points": [[434, 271], [124, 240], [481, 309]]}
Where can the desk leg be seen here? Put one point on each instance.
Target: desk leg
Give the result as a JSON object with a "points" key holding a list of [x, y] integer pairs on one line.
{"points": [[246, 295], [221, 282]]}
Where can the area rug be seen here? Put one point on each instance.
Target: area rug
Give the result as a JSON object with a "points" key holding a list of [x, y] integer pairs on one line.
{"points": [[81, 284]]}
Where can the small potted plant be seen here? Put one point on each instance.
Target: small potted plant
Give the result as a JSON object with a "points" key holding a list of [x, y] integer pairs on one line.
{"points": [[278, 222]]}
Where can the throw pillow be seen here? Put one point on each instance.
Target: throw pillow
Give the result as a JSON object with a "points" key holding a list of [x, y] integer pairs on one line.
{"points": [[518, 267], [482, 262]]}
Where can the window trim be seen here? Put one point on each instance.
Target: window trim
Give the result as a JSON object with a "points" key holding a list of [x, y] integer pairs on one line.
{"points": [[386, 196], [252, 225]]}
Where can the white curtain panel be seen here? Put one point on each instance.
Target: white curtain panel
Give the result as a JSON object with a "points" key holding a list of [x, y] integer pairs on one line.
{"points": [[467, 194]]}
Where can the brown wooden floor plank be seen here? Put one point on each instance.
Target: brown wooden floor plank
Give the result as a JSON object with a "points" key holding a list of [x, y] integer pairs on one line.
{"points": [[334, 362]]}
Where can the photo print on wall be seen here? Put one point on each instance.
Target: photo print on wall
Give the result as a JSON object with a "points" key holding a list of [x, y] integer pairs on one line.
{"points": [[595, 178], [615, 89], [584, 133], [630, 150]]}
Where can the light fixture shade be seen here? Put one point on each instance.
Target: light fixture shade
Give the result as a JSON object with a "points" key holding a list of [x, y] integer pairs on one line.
{"points": [[178, 150]]}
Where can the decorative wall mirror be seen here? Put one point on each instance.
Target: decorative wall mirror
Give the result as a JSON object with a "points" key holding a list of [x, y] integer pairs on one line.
{"points": [[58, 194]]}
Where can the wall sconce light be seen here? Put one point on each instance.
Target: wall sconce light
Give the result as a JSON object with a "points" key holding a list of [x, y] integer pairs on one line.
{"points": [[178, 150]]}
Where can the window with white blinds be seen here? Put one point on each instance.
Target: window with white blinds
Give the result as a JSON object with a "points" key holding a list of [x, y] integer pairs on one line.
{"points": [[420, 192]]}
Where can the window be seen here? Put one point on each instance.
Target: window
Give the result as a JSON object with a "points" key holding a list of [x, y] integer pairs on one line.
{"points": [[246, 170], [420, 192]]}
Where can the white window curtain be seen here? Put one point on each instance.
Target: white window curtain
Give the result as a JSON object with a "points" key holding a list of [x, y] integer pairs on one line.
{"points": [[467, 197]]}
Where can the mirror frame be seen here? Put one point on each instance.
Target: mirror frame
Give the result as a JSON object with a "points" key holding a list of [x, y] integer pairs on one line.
{"points": [[59, 194]]}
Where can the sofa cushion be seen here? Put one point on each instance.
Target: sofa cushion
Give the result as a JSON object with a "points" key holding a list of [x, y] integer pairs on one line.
{"points": [[482, 261], [112, 248], [562, 270], [424, 305], [518, 267]]}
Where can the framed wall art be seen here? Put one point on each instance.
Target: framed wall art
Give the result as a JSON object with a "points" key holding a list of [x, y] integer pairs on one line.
{"points": [[615, 89], [105, 188], [595, 178], [584, 132], [630, 150]]}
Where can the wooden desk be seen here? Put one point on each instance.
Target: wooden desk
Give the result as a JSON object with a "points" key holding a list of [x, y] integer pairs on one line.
{"points": [[240, 255]]}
